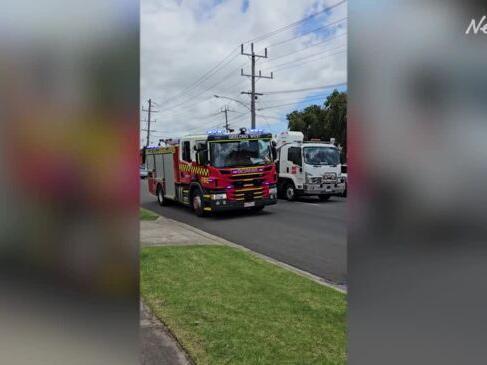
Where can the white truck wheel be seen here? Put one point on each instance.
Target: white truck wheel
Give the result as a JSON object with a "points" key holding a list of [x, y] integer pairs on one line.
{"points": [[290, 191]]}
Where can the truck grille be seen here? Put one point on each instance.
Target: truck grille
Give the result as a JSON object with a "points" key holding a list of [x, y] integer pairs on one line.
{"points": [[243, 182], [248, 194], [248, 185], [247, 176]]}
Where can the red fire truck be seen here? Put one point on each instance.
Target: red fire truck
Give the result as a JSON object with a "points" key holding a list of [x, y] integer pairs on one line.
{"points": [[215, 172]]}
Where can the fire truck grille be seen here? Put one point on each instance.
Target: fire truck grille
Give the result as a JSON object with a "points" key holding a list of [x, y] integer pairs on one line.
{"points": [[248, 183], [248, 186], [247, 180], [248, 194], [248, 176]]}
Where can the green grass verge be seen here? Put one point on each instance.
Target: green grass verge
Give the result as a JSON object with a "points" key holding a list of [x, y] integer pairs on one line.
{"points": [[147, 215], [227, 306]]}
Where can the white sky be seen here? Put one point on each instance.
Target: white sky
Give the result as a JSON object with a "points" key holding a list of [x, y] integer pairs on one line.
{"points": [[182, 40]]}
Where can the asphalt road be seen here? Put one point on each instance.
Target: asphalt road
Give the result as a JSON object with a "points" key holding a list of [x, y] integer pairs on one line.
{"points": [[308, 234]]}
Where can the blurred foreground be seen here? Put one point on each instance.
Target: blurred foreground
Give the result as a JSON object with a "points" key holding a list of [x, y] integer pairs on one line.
{"points": [[418, 211], [69, 182]]}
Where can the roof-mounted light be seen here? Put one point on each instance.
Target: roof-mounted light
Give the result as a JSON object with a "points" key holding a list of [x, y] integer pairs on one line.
{"points": [[217, 131]]}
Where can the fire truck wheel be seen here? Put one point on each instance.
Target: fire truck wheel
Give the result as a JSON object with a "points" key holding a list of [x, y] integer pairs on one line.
{"points": [[197, 202], [290, 191], [160, 196]]}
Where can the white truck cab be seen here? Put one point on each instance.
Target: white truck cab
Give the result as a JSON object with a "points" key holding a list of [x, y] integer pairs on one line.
{"points": [[307, 168]]}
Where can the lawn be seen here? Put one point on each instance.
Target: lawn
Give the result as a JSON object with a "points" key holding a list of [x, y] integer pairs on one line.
{"points": [[227, 306], [147, 215]]}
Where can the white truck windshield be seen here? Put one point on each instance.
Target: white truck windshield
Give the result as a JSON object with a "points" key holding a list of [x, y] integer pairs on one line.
{"points": [[240, 153], [321, 155]]}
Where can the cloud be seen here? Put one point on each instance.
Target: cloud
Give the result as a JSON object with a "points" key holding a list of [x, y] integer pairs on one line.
{"points": [[182, 40]]}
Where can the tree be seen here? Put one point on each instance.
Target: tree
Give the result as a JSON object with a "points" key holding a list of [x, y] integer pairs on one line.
{"points": [[336, 117], [323, 122]]}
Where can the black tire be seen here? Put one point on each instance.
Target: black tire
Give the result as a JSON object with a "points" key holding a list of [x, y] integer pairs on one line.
{"points": [[197, 203], [257, 209], [160, 196], [324, 198], [280, 190], [290, 191]]}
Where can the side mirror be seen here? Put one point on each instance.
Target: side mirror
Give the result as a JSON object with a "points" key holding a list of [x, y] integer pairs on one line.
{"points": [[274, 152]]}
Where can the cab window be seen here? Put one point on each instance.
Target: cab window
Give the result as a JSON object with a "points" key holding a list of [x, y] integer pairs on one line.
{"points": [[186, 151], [294, 155]]}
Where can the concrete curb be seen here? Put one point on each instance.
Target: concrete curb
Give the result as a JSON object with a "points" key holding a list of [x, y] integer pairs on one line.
{"points": [[219, 240]]}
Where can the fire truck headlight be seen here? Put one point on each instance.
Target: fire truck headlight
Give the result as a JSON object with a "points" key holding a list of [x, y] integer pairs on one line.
{"points": [[273, 191], [218, 196]]}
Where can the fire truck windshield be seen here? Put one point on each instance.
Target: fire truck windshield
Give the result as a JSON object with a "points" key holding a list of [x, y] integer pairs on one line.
{"points": [[321, 156], [240, 153]]}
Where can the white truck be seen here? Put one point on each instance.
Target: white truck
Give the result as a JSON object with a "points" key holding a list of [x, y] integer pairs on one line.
{"points": [[307, 168]]}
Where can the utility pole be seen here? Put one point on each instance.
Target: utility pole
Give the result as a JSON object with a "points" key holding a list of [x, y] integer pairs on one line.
{"points": [[253, 76], [226, 110], [149, 111]]}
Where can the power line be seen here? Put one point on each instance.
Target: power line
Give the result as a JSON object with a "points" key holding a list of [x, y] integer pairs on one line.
{"points": [[308, 57], [187, 95], [307, 32], [297, 63], [321, 96], [224, 78], [186, 115], [238, 118], [269, 117], [288, 26], [192, 97], [263, 116], [232, 99], [228, 59], [241, 82], [198, 128], [307, 47], [206, 75], [281, 105], [304, 89]]}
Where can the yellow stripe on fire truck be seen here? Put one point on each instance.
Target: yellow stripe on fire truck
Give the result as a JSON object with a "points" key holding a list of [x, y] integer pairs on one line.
{"points": [[194, 169]]}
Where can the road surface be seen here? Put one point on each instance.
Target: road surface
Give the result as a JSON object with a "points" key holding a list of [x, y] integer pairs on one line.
{"points": [[307, 234]]}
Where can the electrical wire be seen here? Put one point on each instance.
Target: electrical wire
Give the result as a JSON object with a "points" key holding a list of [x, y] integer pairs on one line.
{"points": [[325, 41], [186, 95], [306, 33], [303, 89], [306, 61], [222, 63], [206, 75], [288, 26]]}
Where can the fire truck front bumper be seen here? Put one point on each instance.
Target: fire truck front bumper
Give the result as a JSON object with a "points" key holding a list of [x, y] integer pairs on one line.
{"points": [[225, 205]]}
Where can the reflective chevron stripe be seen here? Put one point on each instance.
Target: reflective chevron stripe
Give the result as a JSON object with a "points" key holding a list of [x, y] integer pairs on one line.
{"points": [[197, 170]]}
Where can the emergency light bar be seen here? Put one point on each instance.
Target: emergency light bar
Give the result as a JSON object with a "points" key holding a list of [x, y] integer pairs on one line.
{"points": [[244, 134], [217, 131]]}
